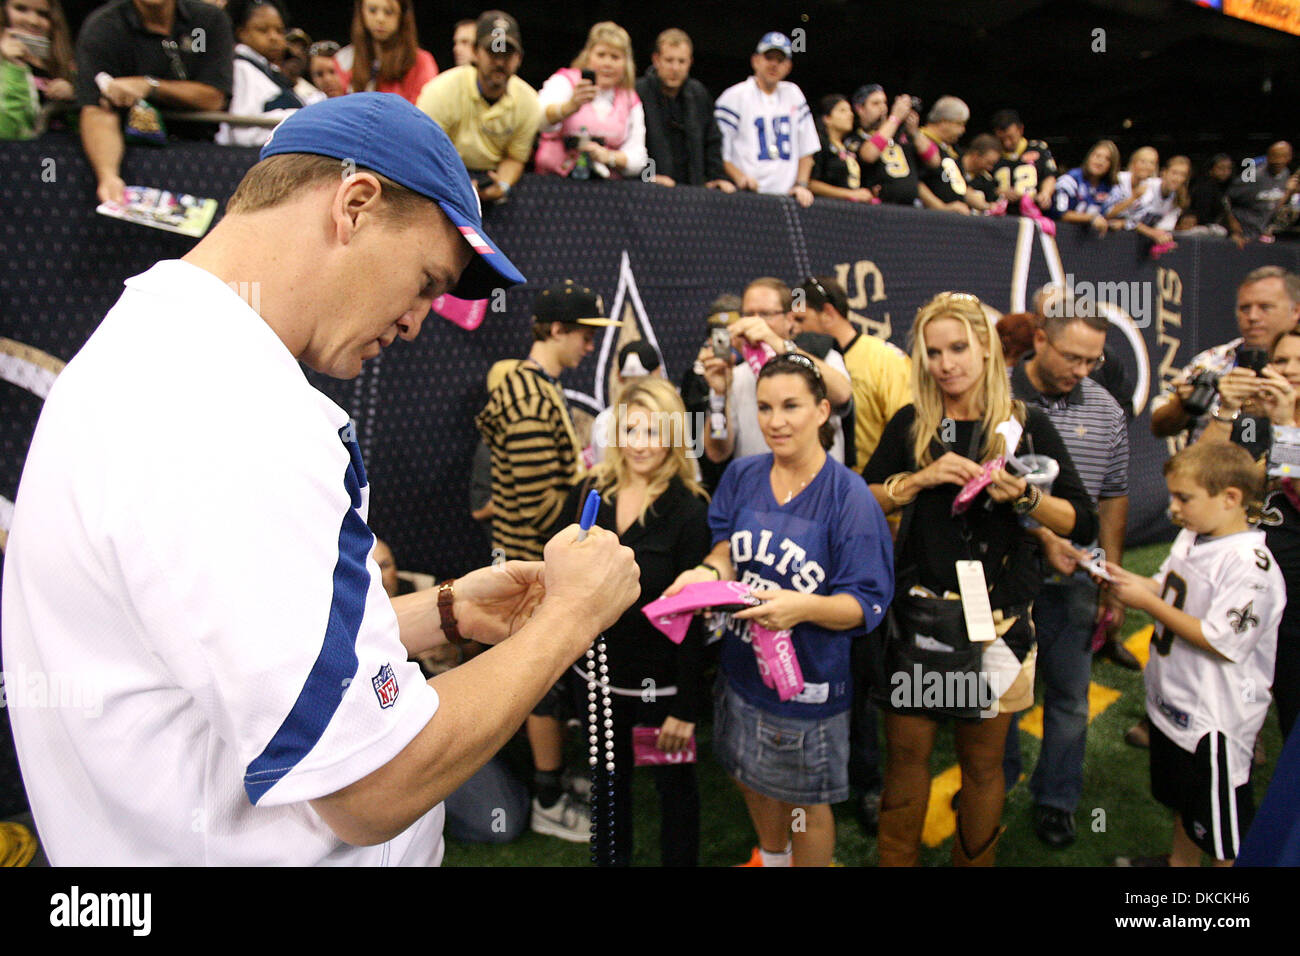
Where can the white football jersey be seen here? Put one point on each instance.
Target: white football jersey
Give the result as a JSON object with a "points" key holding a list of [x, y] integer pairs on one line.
{"points": [[197, 642], [1233, 586], [766, 134]]}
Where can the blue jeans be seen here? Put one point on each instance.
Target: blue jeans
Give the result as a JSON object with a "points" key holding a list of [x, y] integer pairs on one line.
{"points": [[1064, 616]]}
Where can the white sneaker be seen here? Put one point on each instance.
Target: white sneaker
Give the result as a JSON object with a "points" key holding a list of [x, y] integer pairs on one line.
{"points": [[568, 819], [578, 784]]}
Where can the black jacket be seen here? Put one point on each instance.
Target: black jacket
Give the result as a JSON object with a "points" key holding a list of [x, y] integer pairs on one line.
{"points": [[703, 139]]}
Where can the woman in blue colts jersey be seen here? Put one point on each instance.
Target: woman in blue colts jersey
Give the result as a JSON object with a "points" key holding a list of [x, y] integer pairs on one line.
{"points": [[805, 534], [1086, 193]]}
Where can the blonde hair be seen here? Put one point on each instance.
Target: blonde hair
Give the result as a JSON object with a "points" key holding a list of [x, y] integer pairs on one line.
{"points": [[994, 390], [658, 397], [611, 34]]}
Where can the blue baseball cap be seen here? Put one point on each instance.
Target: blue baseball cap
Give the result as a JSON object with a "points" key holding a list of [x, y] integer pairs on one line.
{"points": [[775, 41], [384, 133]]}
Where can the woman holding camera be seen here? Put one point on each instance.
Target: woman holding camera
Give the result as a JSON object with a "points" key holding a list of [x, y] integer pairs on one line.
{"points": [[1251, 401], [802, 532], [592, 119], [930, 450]]}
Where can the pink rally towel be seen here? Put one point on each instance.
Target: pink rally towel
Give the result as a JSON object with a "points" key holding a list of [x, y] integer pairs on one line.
{"points": [[672, 615], [467, 313]]}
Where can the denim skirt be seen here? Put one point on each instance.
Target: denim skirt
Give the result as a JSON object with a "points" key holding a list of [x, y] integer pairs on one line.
{"points": [[797, 761]]}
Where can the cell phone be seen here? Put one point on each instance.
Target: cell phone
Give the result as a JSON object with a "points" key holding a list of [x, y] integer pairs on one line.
{"points": [[589, 76], [1255, 359], [916, 103], [1284, 454], [720, 338], [38, 46]]}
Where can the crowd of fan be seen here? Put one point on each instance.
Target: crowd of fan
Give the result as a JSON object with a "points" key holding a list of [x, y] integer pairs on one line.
{"points": [[842, 395], [801, 425], [597, 119]]}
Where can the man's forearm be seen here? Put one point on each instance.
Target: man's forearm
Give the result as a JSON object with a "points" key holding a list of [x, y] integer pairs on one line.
{"points": [[838, 387], [481, 705], [188, 94], [510, 171], [928, 199], [419, 622], [719, 450], [805, 169], [1169, 419], [101, 138]]}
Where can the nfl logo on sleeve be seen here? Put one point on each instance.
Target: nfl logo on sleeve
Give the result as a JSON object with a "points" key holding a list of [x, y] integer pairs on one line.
{"points": [[385, 684]]}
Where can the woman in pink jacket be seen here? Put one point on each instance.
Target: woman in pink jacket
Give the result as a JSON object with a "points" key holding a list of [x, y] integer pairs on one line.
{"points": [[598, 117]]}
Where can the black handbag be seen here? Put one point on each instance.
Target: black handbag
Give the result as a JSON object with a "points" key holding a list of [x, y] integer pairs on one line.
{"points": [[923, 680], [926, 680]]}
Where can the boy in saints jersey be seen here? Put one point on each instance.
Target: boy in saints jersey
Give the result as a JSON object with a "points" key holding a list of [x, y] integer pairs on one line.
{"points": [[1217, 600]]}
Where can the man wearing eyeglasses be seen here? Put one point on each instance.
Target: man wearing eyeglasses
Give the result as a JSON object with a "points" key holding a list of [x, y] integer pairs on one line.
{"points": [[173, 54], [766, 318], [1093, 427]]}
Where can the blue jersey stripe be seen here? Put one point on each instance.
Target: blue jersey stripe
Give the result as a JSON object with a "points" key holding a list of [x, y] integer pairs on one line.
{"points": [[336, 664], [724, 121], [719, 108]]}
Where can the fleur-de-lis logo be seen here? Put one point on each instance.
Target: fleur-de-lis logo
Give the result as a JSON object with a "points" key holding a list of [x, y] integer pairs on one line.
{"points": [[1242, 618]]}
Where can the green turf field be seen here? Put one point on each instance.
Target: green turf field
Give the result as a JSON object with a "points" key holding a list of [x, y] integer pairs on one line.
{"points": [[1116, 814]]}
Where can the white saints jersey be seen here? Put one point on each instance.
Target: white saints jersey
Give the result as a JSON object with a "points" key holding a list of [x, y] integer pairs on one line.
{"points": [[766, 134], [1234, 588]]}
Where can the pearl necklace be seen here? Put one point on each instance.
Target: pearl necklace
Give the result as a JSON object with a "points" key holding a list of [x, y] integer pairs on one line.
{"points": [[601, 802]]}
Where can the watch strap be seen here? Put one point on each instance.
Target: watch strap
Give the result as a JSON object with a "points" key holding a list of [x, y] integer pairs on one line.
{"points": [[446, 616]]}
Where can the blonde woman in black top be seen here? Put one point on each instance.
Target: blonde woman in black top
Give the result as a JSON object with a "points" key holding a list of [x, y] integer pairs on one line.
{"points": [[651, 500], [929, 451]]}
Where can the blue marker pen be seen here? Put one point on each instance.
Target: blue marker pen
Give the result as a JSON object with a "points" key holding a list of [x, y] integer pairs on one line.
{"points": [[589, 509]]}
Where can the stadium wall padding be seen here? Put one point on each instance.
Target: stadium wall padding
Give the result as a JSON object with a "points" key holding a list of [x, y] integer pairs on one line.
{"points": [[658, 256]]}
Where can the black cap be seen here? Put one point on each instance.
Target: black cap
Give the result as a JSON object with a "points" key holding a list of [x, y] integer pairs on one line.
{"points": [[637, 358], [497, 27], [571, 304]]}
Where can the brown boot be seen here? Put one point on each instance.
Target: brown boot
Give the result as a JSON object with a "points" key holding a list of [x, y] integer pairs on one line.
{"points": [[984, 857], [898, 839]]}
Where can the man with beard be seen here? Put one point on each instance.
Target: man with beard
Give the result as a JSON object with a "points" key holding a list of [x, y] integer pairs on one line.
{"points": [[1256, 199], [1054, 377], [491, 115]]}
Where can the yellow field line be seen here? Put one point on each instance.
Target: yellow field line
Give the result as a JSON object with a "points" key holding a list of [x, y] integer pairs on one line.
{"points": [[941, 822]]}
